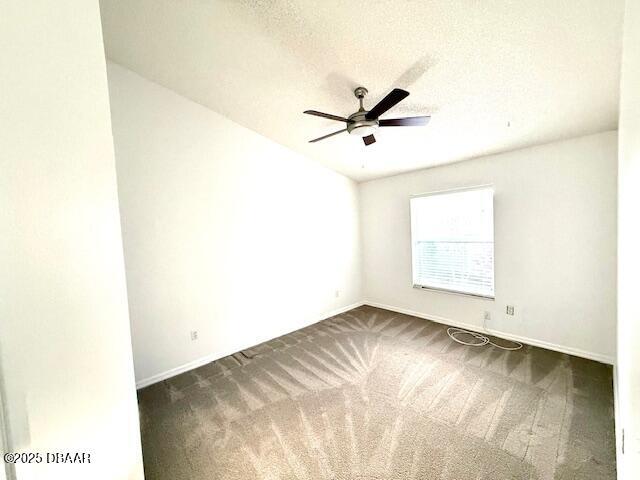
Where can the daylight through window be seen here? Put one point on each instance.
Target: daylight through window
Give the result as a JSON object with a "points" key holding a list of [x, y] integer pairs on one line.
{"points": [[452, 241]]}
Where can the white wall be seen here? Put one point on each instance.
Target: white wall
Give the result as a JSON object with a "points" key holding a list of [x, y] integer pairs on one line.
{"points": [[555, 244], [225, 232], [628, 367], [65, 352]]}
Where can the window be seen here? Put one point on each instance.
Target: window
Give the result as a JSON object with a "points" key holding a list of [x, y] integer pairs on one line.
{"points": [[452, 241]]}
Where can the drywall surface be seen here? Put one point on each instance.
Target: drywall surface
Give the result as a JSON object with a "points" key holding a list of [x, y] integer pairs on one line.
{"points": [[555, 244], [628, 368], [225, 232], [65, 349]]}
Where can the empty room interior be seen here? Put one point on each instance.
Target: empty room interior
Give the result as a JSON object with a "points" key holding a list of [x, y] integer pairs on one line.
{"points": [[287, 239]]}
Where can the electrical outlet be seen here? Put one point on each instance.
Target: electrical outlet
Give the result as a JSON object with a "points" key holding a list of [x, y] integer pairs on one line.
{"points": [[487, 315], [194, 334], [510, 310], [337, 293]]}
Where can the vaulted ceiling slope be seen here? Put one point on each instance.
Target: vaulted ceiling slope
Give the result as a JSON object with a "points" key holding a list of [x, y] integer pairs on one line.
{"points": [[494, 75]]}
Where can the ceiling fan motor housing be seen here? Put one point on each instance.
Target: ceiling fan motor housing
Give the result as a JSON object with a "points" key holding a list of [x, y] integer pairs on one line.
{"points": [[359, 125]]}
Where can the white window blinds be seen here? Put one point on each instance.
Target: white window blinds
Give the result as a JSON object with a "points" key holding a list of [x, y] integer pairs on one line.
{"points": [[452, 241]]}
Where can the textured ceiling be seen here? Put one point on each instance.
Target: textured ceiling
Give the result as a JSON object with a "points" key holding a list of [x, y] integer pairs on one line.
{"points": [[494, 75]]}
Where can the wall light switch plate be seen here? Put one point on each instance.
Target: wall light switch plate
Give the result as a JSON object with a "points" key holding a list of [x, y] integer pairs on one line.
{"points": [[194, 335]]}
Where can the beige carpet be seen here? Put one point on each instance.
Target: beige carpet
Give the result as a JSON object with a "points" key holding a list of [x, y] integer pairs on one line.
{"points": [[371, 394]]}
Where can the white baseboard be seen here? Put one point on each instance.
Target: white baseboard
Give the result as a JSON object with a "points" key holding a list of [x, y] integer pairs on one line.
{"points": [[507, 336], [436, 318], [145, 382]]}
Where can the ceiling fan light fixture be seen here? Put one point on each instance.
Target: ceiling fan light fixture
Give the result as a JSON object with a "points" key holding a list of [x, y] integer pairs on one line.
{"points": [[363, 130], [360, 126]]}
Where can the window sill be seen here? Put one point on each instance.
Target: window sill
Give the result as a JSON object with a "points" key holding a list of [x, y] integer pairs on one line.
{"points": [[455, 292]]}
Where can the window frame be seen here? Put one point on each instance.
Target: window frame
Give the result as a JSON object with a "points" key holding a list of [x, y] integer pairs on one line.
{"points": [[411, 232]]}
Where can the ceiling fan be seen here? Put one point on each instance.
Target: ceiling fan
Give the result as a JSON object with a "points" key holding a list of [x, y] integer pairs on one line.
{"points": [[364, 123]]}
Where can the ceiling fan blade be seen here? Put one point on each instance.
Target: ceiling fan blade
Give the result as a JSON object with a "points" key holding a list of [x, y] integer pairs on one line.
{"points": [[327, 136], [393, 98], [326, 115], [369, 139], [404, 122]]}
